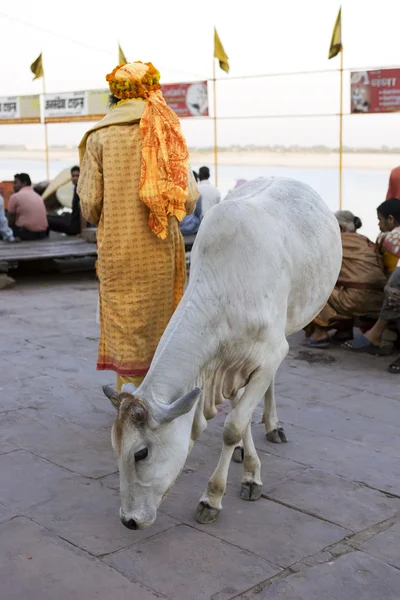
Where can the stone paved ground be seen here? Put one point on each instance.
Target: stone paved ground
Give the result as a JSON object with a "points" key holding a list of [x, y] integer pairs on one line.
{"points": [[326, 526]]}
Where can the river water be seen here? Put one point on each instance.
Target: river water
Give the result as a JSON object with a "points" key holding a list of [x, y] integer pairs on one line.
{"points": [[363, 190]]}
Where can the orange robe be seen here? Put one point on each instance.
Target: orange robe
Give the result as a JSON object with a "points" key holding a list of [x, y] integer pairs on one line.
{"points": [[362, 266], [141, 277]]}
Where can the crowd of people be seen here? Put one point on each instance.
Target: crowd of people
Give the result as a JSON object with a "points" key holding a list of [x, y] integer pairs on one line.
{"points": [[367, 292], [27, 219]]}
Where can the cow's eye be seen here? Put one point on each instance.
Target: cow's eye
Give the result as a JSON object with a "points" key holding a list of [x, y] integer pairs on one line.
{"points": [[141, 454]]}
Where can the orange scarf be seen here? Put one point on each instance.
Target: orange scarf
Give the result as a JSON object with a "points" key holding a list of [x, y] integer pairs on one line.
{"points": [[165, 161]]}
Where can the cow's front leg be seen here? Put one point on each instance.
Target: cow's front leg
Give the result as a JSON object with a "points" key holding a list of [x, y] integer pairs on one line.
{"points": [[274, 432], [251, 483], [210, 504]]}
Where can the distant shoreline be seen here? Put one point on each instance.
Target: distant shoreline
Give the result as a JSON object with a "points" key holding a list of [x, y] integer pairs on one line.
{"points": [[315, 160]]}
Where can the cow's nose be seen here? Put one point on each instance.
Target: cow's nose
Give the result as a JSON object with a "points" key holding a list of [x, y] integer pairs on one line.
{"points": [[129, 523]]}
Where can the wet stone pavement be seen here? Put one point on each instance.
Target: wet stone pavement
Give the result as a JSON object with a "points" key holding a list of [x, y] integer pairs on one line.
{"points": [[326, 526]]}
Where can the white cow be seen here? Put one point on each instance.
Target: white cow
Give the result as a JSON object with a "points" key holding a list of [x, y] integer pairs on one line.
{"points": [[264, 264]]}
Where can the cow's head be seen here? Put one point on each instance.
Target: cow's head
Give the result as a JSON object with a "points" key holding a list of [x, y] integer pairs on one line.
{"points": [[151, 444]]}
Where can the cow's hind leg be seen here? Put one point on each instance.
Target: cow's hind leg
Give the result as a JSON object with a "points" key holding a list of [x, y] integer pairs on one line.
{"points": [[235, 427], [251, 483], [238, 453], [274, 431]]}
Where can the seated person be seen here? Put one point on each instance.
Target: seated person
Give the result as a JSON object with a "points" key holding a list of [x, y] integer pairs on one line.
{"points": [[6, 233], [191, 223], [389, 224], [358, 291], [26, 211], [70, 223]]}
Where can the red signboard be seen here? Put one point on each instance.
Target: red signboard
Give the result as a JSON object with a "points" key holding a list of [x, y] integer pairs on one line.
{"points": [[187, 99], [375, 91]]}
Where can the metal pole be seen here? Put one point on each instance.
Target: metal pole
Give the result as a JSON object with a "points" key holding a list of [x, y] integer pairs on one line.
{"points": [[215, 126], [341, 134], [46, 140]]}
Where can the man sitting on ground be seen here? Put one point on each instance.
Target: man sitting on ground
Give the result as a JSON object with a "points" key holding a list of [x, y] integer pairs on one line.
{"points": [[358, 291], [389, 224], [26, 211], [210, 195], [70, 223]]}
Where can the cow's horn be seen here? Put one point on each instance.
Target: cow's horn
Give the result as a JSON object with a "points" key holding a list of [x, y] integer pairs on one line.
{"points": [[112, 395]]}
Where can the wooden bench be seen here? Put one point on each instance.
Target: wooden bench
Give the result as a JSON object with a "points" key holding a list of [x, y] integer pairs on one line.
{"points": [[48, 249], [56, 248]]}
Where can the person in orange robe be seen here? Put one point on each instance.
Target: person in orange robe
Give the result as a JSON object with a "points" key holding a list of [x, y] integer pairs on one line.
{"points": [[136, 186]]}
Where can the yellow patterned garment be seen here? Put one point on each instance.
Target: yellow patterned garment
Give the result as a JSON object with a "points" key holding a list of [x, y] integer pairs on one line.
{"points": [[141, 276]]}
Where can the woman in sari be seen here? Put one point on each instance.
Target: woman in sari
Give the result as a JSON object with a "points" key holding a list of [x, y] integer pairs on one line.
{"points": [[389, 242], [358, 291]]}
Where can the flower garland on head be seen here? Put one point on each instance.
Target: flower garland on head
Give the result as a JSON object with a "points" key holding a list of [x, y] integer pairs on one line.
{"points": [[131, 87]]}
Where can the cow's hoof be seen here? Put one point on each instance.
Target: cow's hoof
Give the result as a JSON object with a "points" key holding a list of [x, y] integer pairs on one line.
{"points": [[238, 454], [206, 514], [276, 436], [250, 491]]}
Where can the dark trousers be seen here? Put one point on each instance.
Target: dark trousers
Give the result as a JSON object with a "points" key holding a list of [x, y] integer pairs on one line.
{"points": [[388, 313], [62, 224], [29, 236]]}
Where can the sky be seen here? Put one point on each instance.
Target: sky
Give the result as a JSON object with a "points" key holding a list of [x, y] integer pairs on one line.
{"points": [[79, 41]]}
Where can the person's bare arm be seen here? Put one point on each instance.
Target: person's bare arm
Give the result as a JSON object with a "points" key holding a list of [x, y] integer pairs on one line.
{"points": [[12, 217], [12, 211]]}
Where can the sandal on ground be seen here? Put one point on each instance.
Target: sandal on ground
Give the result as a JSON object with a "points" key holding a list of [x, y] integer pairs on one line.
{"points": [[395, 367], [362, 345], [309, 343], [338, 341]]}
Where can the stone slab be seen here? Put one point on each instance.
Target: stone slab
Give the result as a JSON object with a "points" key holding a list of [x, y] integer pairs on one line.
{"points": [[370, 405], [284, 537], [78, 372], [85, 513], [351, 577], [27, 480], [294, 386], [6, 513], [385, 545], [184, 563], [12, 372], [68, 445], [350, 460], [36, 565], [336, 499], [344, 425], [83, 407]]}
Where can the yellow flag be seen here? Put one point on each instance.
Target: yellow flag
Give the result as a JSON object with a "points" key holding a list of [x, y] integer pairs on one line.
{"points": [[336, 41], [220, 53], [37, 67], [121, 56]]}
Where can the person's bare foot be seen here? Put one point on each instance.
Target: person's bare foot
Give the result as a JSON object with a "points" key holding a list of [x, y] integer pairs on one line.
{"points": [[372, 337], [319, 335]]}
